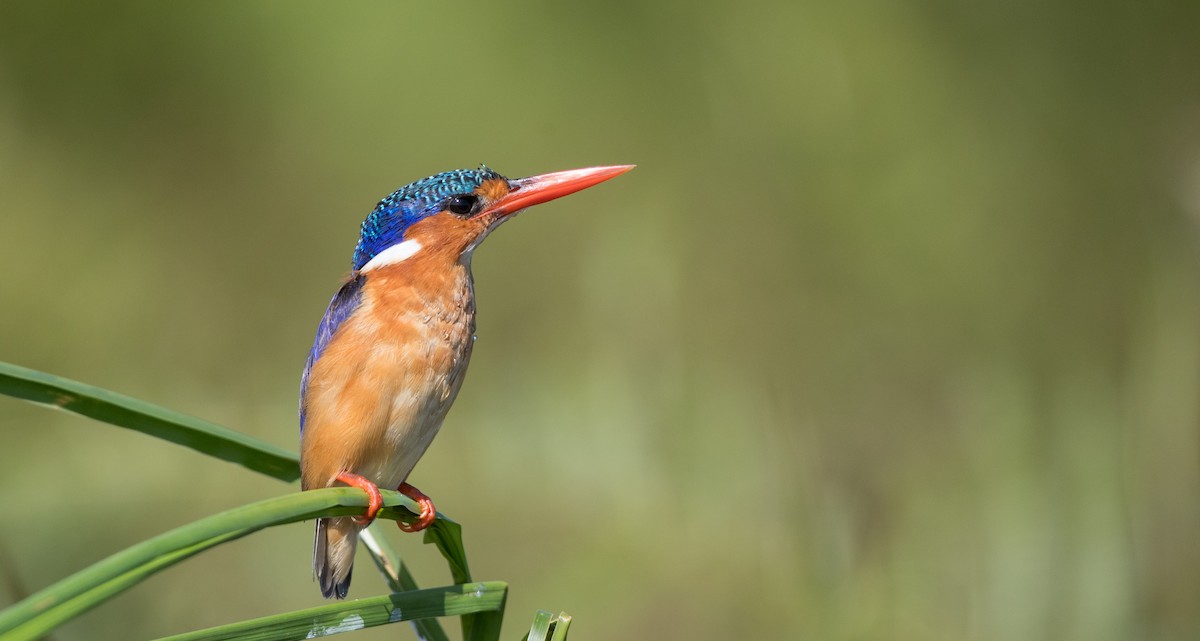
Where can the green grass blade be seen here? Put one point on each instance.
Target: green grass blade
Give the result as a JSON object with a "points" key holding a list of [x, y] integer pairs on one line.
{"points": [[540, 630], [35, 615], [549, 627], [560, 625], [123, 411], [399, 579], [483, 626], [362, 613], [447, 536]]}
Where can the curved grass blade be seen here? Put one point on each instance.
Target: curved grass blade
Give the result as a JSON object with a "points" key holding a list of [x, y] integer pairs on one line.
{"points": [[549, 627], [41, 612], [447, 536], [560, 625], [399, 579], [124, 411], [483, 626], [540, 630], [362, 613]]}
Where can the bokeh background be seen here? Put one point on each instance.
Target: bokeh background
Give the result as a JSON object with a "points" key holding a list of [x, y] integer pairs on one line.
{"points": [[893, 334]]}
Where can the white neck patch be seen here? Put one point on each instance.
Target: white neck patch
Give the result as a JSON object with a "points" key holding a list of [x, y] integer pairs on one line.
{"points": [[397, 253]]}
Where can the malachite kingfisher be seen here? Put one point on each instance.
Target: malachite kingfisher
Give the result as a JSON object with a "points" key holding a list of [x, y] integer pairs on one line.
{"points": [[393, 346]]}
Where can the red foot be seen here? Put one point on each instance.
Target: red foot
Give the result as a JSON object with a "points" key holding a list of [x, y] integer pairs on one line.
{"points": [[372, 490], [428, 513]]}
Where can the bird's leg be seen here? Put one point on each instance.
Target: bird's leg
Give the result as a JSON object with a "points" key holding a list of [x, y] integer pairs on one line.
{"points": [[428, 513], [372, 490]]}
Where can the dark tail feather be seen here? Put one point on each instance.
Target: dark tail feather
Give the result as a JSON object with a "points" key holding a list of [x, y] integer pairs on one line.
{"points": [[333, 555]]}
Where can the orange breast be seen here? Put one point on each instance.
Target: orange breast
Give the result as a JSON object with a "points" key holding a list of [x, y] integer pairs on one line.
{"points": [[382, 387]]}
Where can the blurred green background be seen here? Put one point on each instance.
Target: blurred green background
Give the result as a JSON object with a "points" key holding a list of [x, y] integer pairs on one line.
{"points": [[893, 334]]}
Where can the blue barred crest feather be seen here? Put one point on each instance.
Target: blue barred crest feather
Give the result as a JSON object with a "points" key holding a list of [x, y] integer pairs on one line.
{"points": [[394, 214]]}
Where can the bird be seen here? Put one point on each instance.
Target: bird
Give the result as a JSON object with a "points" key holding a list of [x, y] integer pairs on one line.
{"points": [[391, 350]]}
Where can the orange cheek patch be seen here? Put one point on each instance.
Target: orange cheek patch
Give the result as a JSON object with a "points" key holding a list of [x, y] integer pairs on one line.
{"points": [[444, 232], [438, 227]]}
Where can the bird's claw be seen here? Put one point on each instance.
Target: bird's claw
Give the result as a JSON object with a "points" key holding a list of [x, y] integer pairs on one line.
{"points": [[428, 512], [375, 498]]}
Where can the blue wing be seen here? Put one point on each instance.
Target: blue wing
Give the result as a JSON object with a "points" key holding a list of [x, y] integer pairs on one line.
{"points": [[348, 298]]}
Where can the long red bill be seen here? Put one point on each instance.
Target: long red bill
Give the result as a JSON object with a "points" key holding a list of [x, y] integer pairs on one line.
{"points": [[535, 190]]}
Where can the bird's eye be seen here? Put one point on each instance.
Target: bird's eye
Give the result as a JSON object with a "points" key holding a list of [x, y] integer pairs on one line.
{"points": [[461, 205]]}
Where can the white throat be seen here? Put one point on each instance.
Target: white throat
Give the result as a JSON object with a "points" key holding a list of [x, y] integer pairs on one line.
{"points": [[397, 253]]}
